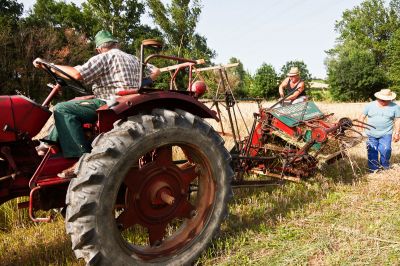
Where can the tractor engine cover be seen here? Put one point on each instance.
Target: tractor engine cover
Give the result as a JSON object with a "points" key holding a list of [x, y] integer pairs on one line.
{"points": [[20, 114]]}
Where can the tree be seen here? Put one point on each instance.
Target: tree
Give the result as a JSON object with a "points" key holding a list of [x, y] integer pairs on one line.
{"points": [[68, 30], [63, 30], [10, 12], [177, 21], [59, 32], [367, 49], [394, 61], [121, 18], [353, 74], [51, 13], [304, 73], [248, 83], [236, 77], [265, 83], [62, 47], [48, 32], [371, 25]]}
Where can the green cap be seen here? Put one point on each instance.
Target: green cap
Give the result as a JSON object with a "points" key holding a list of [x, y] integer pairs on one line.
{"points": [[103, 36]]}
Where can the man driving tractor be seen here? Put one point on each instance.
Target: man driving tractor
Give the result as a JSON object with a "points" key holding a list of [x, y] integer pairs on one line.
{"points": [[108, 72]]}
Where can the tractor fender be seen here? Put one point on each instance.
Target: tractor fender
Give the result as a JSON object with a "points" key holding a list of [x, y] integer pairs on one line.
{"points": [[162, 99], [133, 104]]}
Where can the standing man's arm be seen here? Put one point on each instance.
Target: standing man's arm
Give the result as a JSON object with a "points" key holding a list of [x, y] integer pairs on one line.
{"points": [[362, 117], [396, 132], [396, 129]]}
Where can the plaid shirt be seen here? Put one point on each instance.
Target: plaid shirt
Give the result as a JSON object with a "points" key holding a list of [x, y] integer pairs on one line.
{"points": [[111, 72]]}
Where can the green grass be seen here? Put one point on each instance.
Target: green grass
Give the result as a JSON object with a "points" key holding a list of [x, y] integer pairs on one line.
{"points": [[37, 245], [335, 219], [10, 217]]}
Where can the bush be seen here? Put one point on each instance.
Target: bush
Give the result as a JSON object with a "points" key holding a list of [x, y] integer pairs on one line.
{"points": [[318, 95], [265, 84]]}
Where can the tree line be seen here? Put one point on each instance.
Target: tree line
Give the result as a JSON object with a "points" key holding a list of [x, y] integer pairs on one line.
{"points": [[365, 59], [367, 55], [63, 33]]}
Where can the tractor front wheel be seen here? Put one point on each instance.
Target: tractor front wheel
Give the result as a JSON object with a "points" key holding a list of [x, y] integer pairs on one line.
{"points": [[154, 190]]}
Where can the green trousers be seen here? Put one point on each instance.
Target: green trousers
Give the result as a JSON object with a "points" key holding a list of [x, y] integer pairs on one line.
{"points": [[68, 131]]}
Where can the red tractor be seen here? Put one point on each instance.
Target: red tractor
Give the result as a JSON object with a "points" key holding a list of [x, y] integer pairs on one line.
{"points": [[154, 188]]}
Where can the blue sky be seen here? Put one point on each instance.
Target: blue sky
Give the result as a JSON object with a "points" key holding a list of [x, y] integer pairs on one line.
{"points": [[273, 31], [270, 31]]}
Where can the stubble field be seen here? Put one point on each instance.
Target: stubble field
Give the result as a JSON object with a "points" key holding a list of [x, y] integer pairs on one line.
{"points": [[342, 216]]}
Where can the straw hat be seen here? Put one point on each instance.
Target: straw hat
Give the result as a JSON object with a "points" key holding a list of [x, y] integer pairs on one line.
{"points": [[385, 94], [294, 71]]}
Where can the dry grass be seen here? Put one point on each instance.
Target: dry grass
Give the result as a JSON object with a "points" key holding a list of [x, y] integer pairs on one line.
{"points": [[339, 217], [314, 224]]}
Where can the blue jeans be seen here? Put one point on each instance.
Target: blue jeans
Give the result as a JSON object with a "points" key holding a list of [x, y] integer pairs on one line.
{"points": [[379, 147]]}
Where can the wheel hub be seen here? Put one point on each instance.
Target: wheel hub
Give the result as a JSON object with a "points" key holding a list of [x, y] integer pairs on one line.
{"points": [[157, 193]]}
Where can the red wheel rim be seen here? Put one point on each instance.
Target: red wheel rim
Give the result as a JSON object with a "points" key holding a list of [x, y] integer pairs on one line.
{"points": [[159, 199]]}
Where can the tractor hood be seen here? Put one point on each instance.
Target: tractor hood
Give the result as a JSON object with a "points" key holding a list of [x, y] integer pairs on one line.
{"points": [[20, 116]]}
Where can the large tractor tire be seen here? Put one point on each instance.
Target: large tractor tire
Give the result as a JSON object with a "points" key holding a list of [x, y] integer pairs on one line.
{"points": [[154, 190]]}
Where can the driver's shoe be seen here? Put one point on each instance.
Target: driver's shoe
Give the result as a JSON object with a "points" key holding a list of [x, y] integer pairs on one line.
{"points": [[68, 173]]}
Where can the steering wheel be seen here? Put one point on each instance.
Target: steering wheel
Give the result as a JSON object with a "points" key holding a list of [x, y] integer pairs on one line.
{"points": [[66, 81]]}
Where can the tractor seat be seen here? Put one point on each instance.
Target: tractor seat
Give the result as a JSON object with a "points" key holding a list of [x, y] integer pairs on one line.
{"points": [[89, 125], [119, 93], [128, 92]]}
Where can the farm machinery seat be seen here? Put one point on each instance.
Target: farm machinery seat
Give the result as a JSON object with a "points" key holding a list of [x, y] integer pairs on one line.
{"points": [[293, 115]]}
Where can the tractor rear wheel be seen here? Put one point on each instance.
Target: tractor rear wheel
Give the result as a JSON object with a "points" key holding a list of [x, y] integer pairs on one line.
{"points": [[154, 190]]}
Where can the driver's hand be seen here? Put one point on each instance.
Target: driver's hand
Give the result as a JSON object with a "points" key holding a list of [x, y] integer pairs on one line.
{"points": [[37, 62]]}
